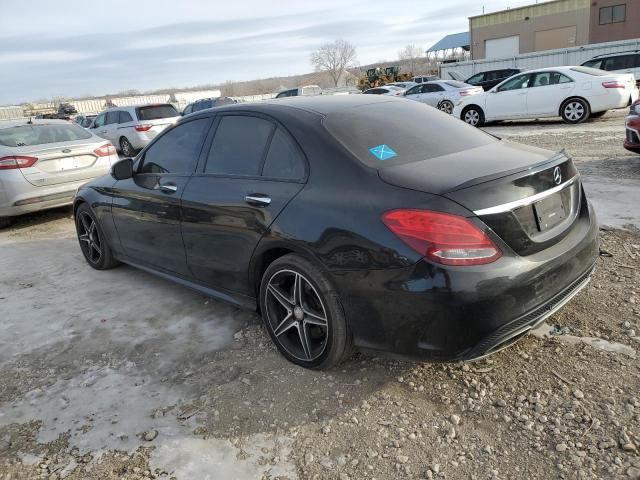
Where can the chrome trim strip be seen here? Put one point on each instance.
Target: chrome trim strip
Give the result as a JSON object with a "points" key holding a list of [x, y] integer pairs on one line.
{"points": [[506, 207]]}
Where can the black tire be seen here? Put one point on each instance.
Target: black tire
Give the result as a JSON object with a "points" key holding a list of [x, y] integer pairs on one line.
{"points": [[446, 106], [5, 222], [92, 240], [473, 115], [126, 148], [598, 114], [327, 344], [575, 110]]}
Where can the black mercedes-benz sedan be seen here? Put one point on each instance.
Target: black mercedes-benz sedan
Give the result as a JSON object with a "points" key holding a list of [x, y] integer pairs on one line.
{"points": [[351, 221]]}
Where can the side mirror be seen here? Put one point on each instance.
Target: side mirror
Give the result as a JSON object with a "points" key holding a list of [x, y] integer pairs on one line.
{"points": [[123, 169]]}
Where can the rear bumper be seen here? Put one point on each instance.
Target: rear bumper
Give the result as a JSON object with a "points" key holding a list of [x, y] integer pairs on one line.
{"points": [[632, 133], [438, 313]]}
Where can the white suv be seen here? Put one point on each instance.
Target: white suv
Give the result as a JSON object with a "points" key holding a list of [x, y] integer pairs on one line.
{"points": [[132, 128], [622, 62]]}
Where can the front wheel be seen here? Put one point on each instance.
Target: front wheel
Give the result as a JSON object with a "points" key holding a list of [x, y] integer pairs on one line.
{"points": [[92, 241], [446, 106], [473, 115], [302, 313], [126, 148], [574, 110]]}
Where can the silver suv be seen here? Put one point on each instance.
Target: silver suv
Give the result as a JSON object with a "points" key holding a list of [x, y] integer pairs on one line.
{"points": [[132, 128]]}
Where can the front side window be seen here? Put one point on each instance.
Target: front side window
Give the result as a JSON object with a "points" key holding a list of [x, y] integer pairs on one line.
{"points": [[477, 78], [613, 14], [515, 83], [176, 151], [99, 120], [239, 145], [112, 117], [414, 90], [284, 158]]}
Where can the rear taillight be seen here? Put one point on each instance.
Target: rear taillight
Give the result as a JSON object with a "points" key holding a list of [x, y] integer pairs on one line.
{"points": [[465, 93], [614, 84], [105, 150], [441, 237], [16, 161], [143, 128]]}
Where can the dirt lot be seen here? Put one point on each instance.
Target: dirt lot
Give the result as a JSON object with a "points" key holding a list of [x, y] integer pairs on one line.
{"points": [[118, 374]]}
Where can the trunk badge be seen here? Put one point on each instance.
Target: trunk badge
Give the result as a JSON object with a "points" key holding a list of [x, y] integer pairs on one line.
{"points": [[557, 176]]}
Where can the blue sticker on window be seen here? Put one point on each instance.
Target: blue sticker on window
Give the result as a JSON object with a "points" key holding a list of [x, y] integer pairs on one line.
{"points": [[383, 152]]}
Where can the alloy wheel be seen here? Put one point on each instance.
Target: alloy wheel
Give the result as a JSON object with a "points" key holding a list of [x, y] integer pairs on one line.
{"points": [[446, 107], [297, 315], [472, 117], [125, 146], [89, 238], [574, 111]]}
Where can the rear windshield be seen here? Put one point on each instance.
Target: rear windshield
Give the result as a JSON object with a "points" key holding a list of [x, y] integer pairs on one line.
{"points": [[456, 84], [27, 135], [154, 112], [396, 132], [590, 71]]}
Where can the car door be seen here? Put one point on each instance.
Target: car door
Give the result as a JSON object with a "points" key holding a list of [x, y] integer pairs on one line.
{"points": [[146, 208], [414, 93], [547, 91], [253, 169], [433, 94], [509, 99]]}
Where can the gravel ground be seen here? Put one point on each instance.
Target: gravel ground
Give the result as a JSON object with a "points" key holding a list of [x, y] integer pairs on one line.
{"points": [[121, 375]]}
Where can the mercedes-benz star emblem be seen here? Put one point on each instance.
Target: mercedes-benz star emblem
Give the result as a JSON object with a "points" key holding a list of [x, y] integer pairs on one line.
{"points": [[557, 176]]}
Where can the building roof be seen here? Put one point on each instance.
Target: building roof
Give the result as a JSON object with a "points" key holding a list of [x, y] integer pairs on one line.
{"points": [[455, 40]]}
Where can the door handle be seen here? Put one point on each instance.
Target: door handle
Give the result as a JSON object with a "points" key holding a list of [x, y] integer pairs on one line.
{"points": [[258, 199], [168, 187]]}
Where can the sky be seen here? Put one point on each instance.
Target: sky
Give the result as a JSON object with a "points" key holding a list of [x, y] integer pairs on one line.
{"points": [[75, 48]]}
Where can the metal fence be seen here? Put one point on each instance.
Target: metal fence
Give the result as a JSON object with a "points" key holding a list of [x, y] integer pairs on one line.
{"points": [[548, 58]]}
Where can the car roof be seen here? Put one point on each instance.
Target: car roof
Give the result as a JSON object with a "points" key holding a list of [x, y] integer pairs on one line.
{"points": [[34, 121]]}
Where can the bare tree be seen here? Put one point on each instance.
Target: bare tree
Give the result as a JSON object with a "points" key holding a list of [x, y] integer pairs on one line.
{"points": [[334, 58], [410, 54]]}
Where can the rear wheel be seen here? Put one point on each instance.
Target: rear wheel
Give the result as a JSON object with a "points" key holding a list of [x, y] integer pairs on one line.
{"points": [[446, 106], [473, 115], [575, 110], [302, 313], [92, 241], [5, 222], [126, 148]]}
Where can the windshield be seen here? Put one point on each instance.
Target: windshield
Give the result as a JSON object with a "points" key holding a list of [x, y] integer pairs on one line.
{"points": [[154, 112], [371, 132], [27, 135]]}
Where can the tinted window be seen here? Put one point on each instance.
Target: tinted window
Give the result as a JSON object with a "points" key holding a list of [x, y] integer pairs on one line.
{"points": [[593, 63], [515, 83], [177, 150], [432, 87], [478, 77], [99, 120], [543, 79], [284, 159], [125, 117], [239, 145], [414, 90], [112, 117], [288, 93], [154, 112], [26, 135], [366, 127], [374, 91], [619, 62]]}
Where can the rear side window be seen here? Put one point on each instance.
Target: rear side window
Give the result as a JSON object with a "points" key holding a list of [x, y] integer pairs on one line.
{"points": [[176, 151], [112, 117], [284, 159], [239, 145], [153, 112], [371, 133], [477, 78], [27, 135], [125, 117], [593, 63]]}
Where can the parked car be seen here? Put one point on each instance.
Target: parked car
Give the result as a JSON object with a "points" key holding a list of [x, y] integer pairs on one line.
{"points": [[442, 94], [487, 80], [386, 90], [425, 78], [84, 120], [632, 127], [573, 93], [623, 62], [300, 91], [207, 103], [43, 162], [132, 128], [451, 225], [403, 85]]}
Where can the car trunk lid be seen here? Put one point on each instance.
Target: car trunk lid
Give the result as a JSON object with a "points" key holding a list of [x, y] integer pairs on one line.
{"points": [[528, 196]]}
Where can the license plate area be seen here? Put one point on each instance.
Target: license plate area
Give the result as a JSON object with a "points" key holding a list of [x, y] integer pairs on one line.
{"points": [[550, 212]]}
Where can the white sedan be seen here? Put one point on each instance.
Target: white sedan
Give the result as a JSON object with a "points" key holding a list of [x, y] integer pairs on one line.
{"points": [[573, 93], [442, 94], [386, 90]]}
